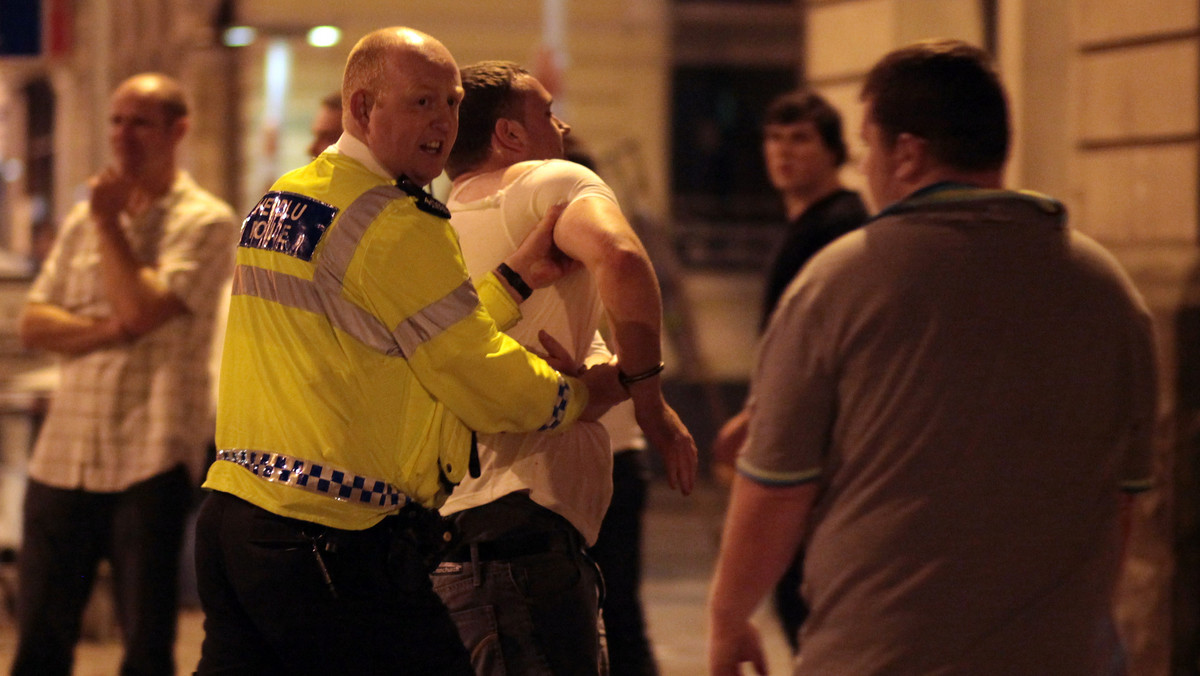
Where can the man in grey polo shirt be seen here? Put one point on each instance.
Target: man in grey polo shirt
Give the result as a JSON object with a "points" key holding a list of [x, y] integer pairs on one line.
{"points": [[950, 407]]}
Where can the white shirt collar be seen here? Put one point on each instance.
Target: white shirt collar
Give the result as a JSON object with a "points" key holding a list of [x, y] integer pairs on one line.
{"points": [[357, 150]]}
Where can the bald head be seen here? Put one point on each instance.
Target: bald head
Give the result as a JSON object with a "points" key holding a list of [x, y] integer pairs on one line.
{"points": [[367, 65], [147, 120], [162, 90], [400, 96]]}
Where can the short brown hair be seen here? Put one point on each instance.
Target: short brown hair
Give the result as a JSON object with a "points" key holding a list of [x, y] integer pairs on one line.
{"points": [[490, 92], [947, 93], [333, 101], [367, 64], [802, 105]]}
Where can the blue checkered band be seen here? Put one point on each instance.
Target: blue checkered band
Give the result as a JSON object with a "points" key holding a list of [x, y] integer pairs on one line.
{"points": [[560, 405], [316, 477]]}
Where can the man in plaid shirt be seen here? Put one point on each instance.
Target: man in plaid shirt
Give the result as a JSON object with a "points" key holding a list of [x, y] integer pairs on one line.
{"points": [[127, 299]]}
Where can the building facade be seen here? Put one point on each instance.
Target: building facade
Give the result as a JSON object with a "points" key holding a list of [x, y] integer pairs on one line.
{"points": [[1105, 107]]}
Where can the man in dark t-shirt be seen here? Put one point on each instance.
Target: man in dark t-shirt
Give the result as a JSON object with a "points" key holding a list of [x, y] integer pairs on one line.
{"points": [[803, 149]]}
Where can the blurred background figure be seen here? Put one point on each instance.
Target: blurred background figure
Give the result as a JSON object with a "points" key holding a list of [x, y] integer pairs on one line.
{"points": [[327, 125], [618, 548], [804, 150], [126, 298]]}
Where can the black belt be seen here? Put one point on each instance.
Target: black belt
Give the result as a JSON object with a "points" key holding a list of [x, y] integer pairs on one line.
{"points": [[514, 547]]}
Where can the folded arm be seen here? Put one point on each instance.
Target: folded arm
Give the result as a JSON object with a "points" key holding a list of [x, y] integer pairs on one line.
{"points": [[49, 327], [141, 302]]}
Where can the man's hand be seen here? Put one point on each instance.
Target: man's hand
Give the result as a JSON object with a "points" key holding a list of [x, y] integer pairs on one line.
{"points": [[110, 193], [604, 389], [729, 647], [667, 435], [537, 260], [729, 441]]}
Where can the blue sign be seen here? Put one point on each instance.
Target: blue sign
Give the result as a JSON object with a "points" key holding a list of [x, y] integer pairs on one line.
{"points": [[287, 222]]}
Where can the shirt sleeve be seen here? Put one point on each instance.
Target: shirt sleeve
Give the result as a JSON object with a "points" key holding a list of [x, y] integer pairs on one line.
{"points": [[793, 397], [197, 258], [562, 181], [497, 301], [49, 285]]}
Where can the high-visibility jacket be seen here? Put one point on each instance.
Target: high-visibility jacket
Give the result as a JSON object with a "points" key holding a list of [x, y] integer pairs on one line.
{"points": [[358, 356]]}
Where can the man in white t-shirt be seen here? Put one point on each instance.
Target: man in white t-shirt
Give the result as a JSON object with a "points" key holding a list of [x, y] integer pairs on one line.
{"points": [[523, 593]]}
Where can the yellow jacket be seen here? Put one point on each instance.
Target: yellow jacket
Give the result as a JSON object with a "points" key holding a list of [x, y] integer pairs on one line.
{"points": [[357, 345]]}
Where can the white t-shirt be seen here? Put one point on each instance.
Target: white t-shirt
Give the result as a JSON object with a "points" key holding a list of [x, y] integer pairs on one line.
{"points": [[568, 472]]}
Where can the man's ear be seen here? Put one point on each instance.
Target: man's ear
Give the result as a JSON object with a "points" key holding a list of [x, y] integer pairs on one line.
{"points": [[179, 128], [509, 135], [911, 157], [361, 103]]}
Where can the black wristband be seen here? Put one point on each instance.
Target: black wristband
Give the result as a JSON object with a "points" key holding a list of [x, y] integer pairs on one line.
{"points": [[626, 381], [514, 280]]}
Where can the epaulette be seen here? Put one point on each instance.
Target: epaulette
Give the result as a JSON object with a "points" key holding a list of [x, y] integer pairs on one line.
{"points": [[425, 202]]}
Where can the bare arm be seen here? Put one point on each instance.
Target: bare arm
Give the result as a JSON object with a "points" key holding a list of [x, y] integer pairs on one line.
{"points": [[594, 232], [49, 327], [140, 301], [749, 565]]}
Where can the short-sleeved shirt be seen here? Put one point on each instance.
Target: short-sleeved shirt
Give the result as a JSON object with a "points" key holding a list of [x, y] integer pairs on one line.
{"points": [[127, 412], [971, 383], [569, 473]]}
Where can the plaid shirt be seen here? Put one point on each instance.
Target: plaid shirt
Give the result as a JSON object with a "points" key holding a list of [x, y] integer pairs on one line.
{"points": [[127, 412]]}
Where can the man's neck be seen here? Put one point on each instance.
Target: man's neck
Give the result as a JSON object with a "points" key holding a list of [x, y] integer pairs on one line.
{"points": [[494, 163], [796, 202], [149, 189], [158, 183]]}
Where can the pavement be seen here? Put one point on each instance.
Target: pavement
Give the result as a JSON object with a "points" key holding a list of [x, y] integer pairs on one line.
{"points": [[681, 539]]}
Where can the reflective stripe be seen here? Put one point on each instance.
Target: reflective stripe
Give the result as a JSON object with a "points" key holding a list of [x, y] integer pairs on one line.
{"points": [[323, 295], [344, 239], [436, 317], [302, 294], [315, 477]]}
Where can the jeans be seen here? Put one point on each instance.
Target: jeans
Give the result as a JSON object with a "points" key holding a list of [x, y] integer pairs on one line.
{"points": [[66, 534], [284, 596], [789, 605], [533, 614]]}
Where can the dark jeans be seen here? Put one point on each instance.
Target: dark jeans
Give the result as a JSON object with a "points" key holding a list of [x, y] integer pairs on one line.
{"points": [[283, 596], [789, 605], [66, 534], [526, 600], [618, 552]]}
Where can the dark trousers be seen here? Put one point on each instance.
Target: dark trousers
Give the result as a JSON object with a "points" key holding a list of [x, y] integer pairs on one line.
{"points": [[789, 605], [66, 534], [283, 596], [618, 552]]}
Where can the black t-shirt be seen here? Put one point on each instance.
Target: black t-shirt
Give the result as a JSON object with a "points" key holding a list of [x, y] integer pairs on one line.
{"points": [[826, 220]]}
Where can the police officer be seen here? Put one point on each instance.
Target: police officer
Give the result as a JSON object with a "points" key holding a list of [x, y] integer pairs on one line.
{"points": [[359, 359]]}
